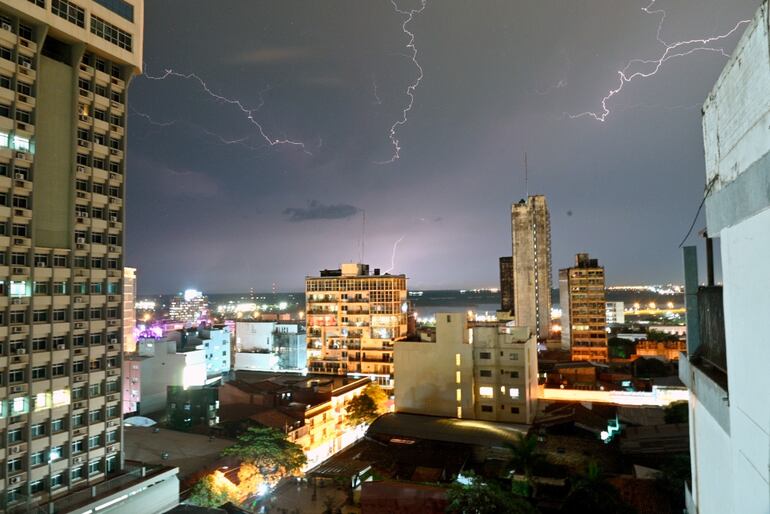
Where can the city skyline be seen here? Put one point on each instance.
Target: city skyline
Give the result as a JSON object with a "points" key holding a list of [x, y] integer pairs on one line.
{"points": [[231, 217]]}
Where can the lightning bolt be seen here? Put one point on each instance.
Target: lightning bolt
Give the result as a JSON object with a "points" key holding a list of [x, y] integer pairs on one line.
{"points": [[393, 255], [671, 51], [393, 134], [150, 120], [249, 113], [377, 99]]}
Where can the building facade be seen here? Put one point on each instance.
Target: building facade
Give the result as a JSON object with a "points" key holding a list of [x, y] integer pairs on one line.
{"points": [[270, 346], [506, 284], [190, 307], [129, 311], [485, 371], [531, 237], [353, 318], [64, 73], [725, 368], [583, 310], [615, 312]]}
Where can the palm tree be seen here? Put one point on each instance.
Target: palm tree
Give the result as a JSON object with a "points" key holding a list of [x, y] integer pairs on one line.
{"points": [[525, 457], [591, 493]]}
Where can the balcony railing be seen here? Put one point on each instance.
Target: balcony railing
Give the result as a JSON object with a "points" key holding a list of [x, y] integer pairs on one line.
{"points": [[712, 348]]}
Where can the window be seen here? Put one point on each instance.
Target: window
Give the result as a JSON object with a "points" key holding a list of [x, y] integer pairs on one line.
{"points": [[486, 408], [39, 373], [37, 430], [14, 436], [486, 392], [24, 30], [110, 33], [24, 89], [112, 437], [59, 288], [514, 410], [39, 345], [94, 416], [96, 339], [15, 376], [36, 459], [112, 411], [60, 315], [57, 480], [59, 261], [57, 425], [22, 202], [6, 53], [95, 366], [36, 486], [58, 370], [5, 82], [514, 356], [78, 393], [95, 389], [94, 442], [485, 372], [514, 393], [18, 317], [485, 355], [78, 366], [95, 466], [40, 288], [5, 111], [23, 116], [77, 420], [76, 474], [69, 11], [514, 374], [119, 7], [40, 316], [14, 465], [100, 90]]}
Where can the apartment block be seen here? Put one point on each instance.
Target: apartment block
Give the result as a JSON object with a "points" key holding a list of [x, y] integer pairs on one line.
{"points": [[270, 346], [725, 368], [484, 371], [64, 72], [615, 312], [506, 284], [531, 262], [190, 307], [583, 310], [353, 318]]}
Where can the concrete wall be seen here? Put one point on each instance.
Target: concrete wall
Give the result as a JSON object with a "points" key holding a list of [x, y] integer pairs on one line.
{"points": [[710, 453], [168, 368], [426, 373], [256, 361], [254, 335]]}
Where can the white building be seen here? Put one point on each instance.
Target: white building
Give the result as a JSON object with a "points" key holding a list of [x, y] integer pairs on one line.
{"points": [[615, 313], [726, 369], [215, 342], [487, 371], [270, 346], [161, 365]]}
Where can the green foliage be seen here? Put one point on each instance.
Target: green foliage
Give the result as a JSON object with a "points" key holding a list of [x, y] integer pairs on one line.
{"points": [[620, 348], [654, 335], [677, 412], [366, 407], [482, 497], [650, 368], [206, 493], [592, 494], [525, 457], [674, 471], [268, 449]]}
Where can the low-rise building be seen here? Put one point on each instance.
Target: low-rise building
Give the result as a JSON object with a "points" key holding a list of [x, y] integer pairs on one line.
{"points": [[309, 409], [270, 346], [485, 371], [663, 350], [215, 342], [188, 407]]}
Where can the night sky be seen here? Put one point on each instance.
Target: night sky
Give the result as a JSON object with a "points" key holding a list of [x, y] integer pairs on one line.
{"points": [[212, 206]]}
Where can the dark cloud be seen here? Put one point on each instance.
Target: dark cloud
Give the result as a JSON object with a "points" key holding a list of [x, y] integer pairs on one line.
{"points": [[318, 211], [272, 55]]}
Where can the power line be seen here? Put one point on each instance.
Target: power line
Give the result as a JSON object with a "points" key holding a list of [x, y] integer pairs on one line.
{"points": [[700, 207]]}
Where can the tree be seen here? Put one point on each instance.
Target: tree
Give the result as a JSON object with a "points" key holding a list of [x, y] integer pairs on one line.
{"points": [[367, 406], [674, 471], [677, 412], [592, 494], [208, 492], [621, 348], [524, 458], [269, 450], [483, 497]]}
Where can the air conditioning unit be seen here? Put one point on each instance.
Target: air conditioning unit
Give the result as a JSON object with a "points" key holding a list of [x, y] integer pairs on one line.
{"points": [[7, 26], [21, 155], [61, 347], [114, 340], [83, 117], [77, 405], [113, 218], [19, 176], [18, 271], [22, 98], [114, 151], [17, 330], [82, 169], [81, 240], [112, 249], [79, 324], [15, 480], [77, 460], [18, 241], [17, 389], [15, 449], [40, 264], [21, 351], [27, 64]]}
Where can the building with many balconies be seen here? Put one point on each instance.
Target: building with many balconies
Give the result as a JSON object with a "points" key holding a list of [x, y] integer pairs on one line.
{"points": [[353, 318]]}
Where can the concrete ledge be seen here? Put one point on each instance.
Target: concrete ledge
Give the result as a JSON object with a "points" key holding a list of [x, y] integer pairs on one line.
{"points": [[710, 394]]}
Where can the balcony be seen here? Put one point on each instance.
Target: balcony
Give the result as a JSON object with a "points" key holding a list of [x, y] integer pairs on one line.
{"points": [[712, 351]]}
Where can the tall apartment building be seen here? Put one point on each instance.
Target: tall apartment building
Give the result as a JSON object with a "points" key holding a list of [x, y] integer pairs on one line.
{"points": [[531, 237], [506, 284], [583, 310], [725, 368], [485, 371], [64, 72], [129, 310], [353, 318]]}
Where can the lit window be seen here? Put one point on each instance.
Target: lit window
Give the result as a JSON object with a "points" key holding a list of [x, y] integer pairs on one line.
{"points": [[457, 377], [514, 393], [19, 288], [4, 139], [457, 359], [486, 392], [459, 394], [21, 143]]}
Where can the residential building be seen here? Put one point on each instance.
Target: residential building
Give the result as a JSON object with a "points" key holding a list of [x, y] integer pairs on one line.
{"points": [[583, 310], [162, 364], [531, 261], [353, 318], [215, 342], [189, 407], [615, 312], [727, 352], [190, 307], [506, 284], [270, 346], [484, 371], [129, 311], [663, 350], [64, 72], [132, 384], [309, 409]]}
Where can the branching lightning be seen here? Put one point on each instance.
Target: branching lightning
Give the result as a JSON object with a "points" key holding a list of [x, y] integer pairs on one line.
{"points": [[150, 120], [249, 112], [671, 51], [393, 134], [377, 99], [393, 255]]}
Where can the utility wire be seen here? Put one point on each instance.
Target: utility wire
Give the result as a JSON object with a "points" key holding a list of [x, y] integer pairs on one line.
{"points": [[700, 207]]}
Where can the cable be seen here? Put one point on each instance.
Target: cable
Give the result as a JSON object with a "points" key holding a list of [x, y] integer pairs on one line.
{"points": [[695, 220]]}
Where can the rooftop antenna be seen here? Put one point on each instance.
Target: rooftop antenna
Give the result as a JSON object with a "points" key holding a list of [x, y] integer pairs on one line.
{"points": [[526, 176]]}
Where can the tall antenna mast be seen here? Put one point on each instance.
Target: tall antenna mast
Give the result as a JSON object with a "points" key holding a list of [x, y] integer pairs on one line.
{"points": [[526, 176]]}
